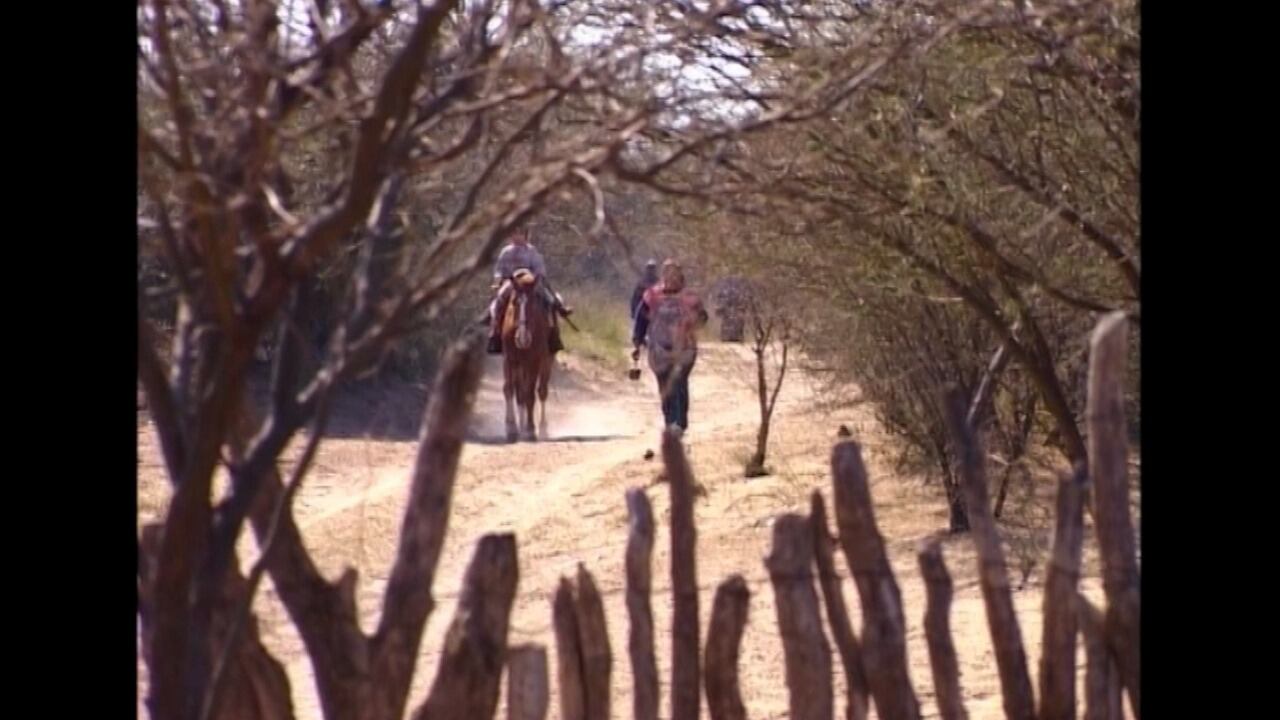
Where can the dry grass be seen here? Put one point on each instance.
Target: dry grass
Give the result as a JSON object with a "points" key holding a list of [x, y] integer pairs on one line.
{"points": [[603, 317]]}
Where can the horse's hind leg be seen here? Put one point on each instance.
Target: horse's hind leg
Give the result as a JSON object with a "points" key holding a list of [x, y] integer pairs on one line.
{"points": [[522, 389], [542, 419], [508, 393], [544, 381], [530, 430]]}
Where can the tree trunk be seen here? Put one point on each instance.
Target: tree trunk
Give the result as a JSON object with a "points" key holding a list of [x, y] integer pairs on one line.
{"points": [[256, 686], [1002, 493], [957, 513], [349, 666], [755, 466]]}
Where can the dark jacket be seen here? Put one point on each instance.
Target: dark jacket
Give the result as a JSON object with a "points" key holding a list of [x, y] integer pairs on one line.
{"points": [[637, 296]]}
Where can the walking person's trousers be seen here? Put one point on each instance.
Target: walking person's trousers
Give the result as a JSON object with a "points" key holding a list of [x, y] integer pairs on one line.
{"points": [[673, 386]]}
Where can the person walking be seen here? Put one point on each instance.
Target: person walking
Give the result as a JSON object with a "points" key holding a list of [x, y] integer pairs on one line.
{"points": [[667, 321]]}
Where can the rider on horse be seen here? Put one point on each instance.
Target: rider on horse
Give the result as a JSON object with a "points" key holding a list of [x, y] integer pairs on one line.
{"points": [[520, 254]]}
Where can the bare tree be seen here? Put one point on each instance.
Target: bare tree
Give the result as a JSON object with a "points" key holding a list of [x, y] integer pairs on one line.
{"points": [[770, 334], [277, 145], [961, 219], [280, 143]]}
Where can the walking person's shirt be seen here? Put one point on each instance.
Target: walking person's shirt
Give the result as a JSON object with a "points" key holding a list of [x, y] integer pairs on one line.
{"points": [[669, 322]]}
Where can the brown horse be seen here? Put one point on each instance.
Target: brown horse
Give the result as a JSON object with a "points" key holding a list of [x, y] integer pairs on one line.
{"points": [[526, 353]]}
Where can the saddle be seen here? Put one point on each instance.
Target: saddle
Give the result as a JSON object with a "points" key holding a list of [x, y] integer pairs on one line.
{"points": [[524, 278], [523, 281]]}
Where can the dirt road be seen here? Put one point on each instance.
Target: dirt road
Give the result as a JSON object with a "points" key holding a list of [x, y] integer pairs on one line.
{"points": [[564, 500]]}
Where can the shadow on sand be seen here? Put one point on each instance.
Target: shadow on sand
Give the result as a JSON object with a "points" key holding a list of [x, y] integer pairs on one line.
{"points": [[476, 438]]}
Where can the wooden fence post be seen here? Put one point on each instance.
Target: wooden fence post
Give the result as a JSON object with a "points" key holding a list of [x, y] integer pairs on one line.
{"points": [[685, 677], [724, 639], [855, 675], [593, 635], [1101, 675], [528, 692], [805, 647], [470, 674], [1058, 646], [1006, 637], [937, 632], [564, 618], [1109, 473], [884, 641], [644, 665]]}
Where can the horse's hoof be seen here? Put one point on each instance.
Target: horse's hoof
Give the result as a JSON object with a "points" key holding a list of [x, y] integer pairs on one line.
{"points": [[512, 436]]}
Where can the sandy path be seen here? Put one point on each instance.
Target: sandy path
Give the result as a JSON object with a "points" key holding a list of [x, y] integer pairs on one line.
{"points": [[564, 501]]}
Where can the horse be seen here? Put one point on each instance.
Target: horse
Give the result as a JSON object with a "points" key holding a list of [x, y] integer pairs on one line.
{"points": [[526, 354]]}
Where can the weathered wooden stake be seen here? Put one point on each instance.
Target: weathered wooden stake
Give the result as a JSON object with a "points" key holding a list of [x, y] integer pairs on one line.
{"points": [[884, 642], [805, 647], [855, 674], [470, 674], [644, 665], [1058, 647], [724, 639], [528, 690], [937, 632], [593, 637], [564, 618], [1006, 637], [1101, 675], [685, 676], [1109, 473]]}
